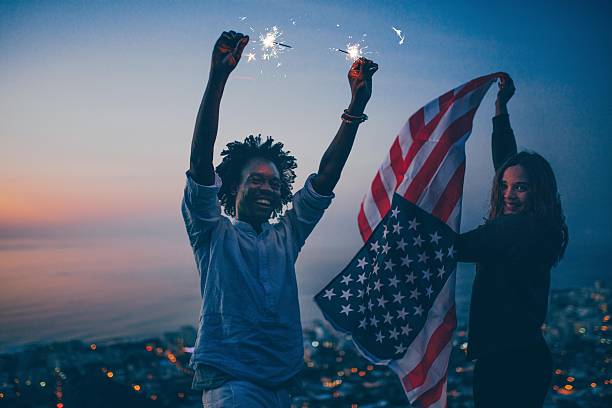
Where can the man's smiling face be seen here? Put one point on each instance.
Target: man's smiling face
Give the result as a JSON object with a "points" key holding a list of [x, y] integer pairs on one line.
{"points": [[259, 192]]}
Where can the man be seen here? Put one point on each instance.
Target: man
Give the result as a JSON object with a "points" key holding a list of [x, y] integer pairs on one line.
{"points": [[249, 344]]}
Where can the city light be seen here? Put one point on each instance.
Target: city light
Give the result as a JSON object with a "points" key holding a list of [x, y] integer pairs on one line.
{"points": [[109, 374]]}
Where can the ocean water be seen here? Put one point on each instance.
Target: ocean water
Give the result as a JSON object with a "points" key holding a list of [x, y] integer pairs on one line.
{"points": [[106, 289]]}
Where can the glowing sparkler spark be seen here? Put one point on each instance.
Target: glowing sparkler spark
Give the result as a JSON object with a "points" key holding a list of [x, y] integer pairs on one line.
{"points": [[242, 18], [270, 43], [399, 34], [354, 51], [250, 57]]}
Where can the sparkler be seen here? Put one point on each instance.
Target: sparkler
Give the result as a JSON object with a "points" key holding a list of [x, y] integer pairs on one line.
{"points": [[250, 57], [353, 51], [270, 44]]}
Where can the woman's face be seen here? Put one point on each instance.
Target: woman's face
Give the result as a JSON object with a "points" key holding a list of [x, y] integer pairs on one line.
{"points": [[516, 190]]}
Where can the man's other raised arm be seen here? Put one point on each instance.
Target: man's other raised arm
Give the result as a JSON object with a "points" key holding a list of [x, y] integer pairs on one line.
{"points": [[225, 57], [334, 158]]}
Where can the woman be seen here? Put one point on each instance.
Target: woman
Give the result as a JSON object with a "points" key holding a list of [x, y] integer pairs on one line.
{"points": [[524, 236]]}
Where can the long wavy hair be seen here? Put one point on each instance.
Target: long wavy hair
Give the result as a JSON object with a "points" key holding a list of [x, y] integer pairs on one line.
{"points": [[238, 154], [544, 198]]}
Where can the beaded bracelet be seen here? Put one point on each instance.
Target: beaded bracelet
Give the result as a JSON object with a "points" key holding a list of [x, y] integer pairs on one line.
{"points": [[349, 119]]}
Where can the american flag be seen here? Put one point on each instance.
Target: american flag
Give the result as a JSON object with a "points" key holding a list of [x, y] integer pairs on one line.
{"points": [[396, 298]]}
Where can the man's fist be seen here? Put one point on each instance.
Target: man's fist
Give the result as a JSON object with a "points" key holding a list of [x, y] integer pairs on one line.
{"points": [[227, 52], [360, 80]]}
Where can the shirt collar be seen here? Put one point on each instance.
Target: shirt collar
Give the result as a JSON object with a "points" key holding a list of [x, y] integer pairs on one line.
{"points": [[245, 226]]}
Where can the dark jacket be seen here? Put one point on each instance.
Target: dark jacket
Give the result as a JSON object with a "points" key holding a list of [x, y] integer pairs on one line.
{"points": [[514, 256]]}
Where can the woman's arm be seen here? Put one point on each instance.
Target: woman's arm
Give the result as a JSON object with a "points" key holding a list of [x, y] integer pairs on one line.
{"points": [[503, 144], [509, 239]]}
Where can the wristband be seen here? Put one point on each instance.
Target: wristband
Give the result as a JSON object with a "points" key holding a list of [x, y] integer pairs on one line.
{"points": [[350, 119]]}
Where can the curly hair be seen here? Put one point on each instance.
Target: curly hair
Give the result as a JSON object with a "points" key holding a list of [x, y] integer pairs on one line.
{"points": [[238, 154], [545, 201]]}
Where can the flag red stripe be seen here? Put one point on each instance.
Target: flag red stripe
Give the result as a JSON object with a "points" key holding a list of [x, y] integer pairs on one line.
{"points": [[452, 133], [397, 161], [452, 193], [439, 339], [433, 394], [364, 225], [379, 193], [421, 132], [416, 122]]}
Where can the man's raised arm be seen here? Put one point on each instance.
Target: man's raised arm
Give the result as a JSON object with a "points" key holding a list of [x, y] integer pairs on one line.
{"points": [[226, 54], [334, 158]]}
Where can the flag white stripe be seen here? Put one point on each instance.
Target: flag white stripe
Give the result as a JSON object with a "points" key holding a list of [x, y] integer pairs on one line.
{"points": [[442, 304], [431, 110], [463, 106], [441, 403], [370, 211], [436, 371], [455, 218], [434, 190]]}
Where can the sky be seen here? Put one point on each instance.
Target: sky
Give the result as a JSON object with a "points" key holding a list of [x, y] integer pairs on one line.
{"points": [[99, 99]]}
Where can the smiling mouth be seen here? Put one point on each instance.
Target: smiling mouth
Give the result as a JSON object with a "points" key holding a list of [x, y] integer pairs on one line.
{"points": [[263, 202]]}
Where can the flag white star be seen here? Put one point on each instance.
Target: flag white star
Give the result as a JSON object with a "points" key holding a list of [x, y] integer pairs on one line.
{"points": [[360, 293], [368, 289], [393, 333], [375, 269], [373, 321], [385, 248], [346, 279], [435, 237], [429, 291], [381, 301], [440, 255], [394, 212], [397, 228], [393, 281], [406, 261], [329, 293], [406, 329], [398, 297], [401, 244], [401, 314], [362, 323], [361, 278], [346, 309], [388, 318], [413, 224], [426, 274], [346, 294], [374, 246], [361, 263], [362, 309], [441, 272], [377, 285], [423, 257], [414, 294], [400, 349], [410, 278], [451, 251], [417, 241], [370, 305], [385, 231], [379, 337], [418, 310], [389, 265]]}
